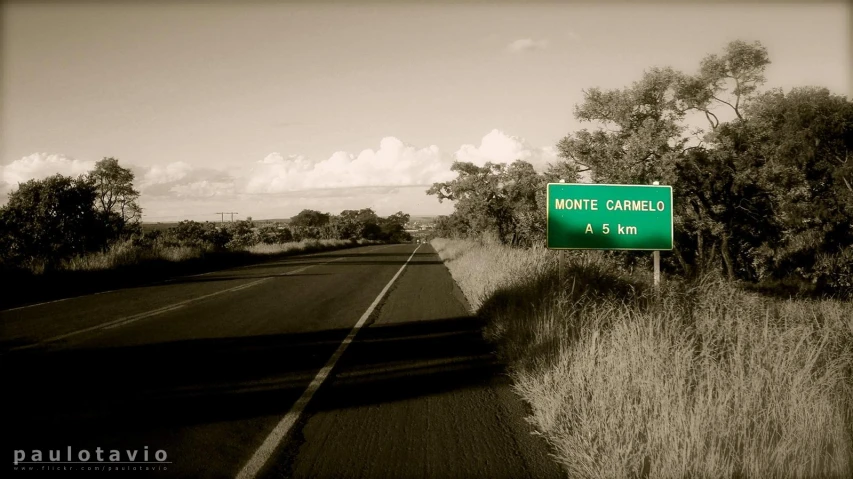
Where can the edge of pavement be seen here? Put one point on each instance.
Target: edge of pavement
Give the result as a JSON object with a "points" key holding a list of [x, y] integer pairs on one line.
{"points": [[506, 409], [515, 409]]}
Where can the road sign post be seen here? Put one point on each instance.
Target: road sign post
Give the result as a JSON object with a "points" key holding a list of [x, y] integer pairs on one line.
{"points": [[610, 217], [656, 255]]}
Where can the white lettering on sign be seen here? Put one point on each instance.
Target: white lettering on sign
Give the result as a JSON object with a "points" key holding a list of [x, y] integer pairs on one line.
{"points": [[576, 204], [634, 205]]}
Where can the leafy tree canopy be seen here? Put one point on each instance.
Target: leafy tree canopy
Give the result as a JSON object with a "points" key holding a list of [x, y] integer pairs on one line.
{"points": [[49, 220], [116, 199]]}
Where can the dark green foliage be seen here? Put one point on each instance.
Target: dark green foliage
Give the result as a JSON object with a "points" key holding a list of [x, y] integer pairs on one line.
{"points": [[361, 223], [272, 234], [310, 219], [765, 197], [211, 236], [505, 201], [242, 234], [454, 226], [190, 233], [801, 143], [116, 199], [350, 224], [48, 220], [393, 228]]}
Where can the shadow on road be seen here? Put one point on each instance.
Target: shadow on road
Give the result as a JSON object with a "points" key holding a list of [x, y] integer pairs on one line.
{"points": [[73, 396], [258, 270], [23, 288]]}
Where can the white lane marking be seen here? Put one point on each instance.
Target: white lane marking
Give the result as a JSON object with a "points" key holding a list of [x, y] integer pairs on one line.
{"points": [[262, 455], [57, 300], [166, 281], [165, 309]]}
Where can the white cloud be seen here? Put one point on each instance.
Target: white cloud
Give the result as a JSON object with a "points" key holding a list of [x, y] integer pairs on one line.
{"points": [[41, 165], [180, 179], [526, 44], [394, 173], [498, 147], [393, 164], [169, 173], [203, 189]]}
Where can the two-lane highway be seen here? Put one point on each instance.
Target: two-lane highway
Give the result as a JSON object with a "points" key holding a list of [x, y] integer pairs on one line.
{"points": [[356, 363]]}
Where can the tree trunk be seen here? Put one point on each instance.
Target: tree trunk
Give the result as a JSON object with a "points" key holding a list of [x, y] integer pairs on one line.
{"points": [[700, 251], [727, 257], [710, 257], [688, 271]]}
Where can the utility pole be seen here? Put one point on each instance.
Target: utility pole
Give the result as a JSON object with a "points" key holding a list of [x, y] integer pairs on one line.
{"points": [[223, 213]]}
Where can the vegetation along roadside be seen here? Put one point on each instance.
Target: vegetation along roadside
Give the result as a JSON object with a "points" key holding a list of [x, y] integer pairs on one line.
{"points": [[705, 381]]}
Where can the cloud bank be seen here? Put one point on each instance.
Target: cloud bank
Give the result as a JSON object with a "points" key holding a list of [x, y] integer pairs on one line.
{"points": [[395, 172], [41, 165], [498, 147], [394, 163]]}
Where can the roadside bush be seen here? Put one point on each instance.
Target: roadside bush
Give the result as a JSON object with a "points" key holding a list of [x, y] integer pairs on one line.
{"points": [[189, 233], [46, 221], [834, 273]]}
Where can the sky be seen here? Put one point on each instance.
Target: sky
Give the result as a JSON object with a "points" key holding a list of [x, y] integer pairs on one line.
{"points": [[266, 109]]}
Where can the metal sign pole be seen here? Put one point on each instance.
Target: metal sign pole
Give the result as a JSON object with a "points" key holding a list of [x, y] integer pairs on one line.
{"points": [[560, 260], [656, 256], [657, 269]]}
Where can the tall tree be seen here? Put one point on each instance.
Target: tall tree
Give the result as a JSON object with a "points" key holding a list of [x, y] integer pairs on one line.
{"points": [[393, 228], [644, 137], [363, 223], [500, 199], [641, 133], [116, 198], [800, 144], [730, 79], [310, 218]]}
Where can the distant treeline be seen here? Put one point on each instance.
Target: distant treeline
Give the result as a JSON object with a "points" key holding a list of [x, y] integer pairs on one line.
{"points": [[61, 222], [766, 196], [307, 225]]}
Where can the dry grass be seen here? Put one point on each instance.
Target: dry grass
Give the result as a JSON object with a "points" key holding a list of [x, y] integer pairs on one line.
{"points": [[304, 246], [703, 381], [126, 254]]}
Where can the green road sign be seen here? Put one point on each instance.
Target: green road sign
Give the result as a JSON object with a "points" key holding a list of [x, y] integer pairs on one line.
{"points": [[585, 216]]}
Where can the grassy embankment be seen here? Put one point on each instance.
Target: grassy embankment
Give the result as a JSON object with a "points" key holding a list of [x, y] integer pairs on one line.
{"points": [[706, 381], [125, 264]]}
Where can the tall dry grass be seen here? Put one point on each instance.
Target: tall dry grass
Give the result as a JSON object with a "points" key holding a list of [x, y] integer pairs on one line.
{"points": [[304, 246], [126, 254], [702, 380]]}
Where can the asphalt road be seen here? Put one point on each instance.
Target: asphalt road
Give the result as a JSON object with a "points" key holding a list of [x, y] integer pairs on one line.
{"points": [[294, 368]]}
